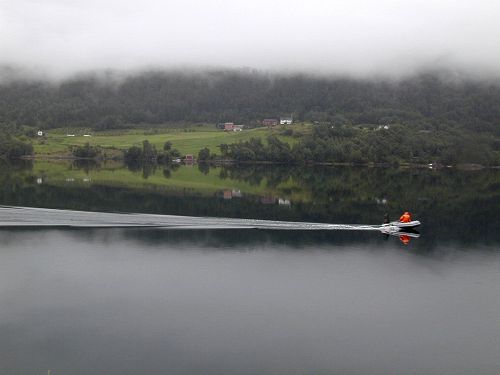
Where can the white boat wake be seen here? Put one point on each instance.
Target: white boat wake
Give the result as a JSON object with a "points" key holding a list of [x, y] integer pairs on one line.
{"points": [[11, 217]]}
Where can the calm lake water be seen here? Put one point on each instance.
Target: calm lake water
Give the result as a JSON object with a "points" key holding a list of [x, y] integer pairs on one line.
{"points": [[152, 301]]}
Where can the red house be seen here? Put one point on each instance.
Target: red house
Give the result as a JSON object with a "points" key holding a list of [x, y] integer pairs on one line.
{"points": [[270, 122]]}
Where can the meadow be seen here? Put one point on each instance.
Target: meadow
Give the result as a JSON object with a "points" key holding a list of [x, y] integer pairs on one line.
{"points": [[188, 141]]}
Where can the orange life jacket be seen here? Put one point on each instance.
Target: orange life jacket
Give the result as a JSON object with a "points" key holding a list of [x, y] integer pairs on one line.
{"points": [[405, 218]]}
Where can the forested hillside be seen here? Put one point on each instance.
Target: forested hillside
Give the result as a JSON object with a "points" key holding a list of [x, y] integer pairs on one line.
{"points": [[441, 112], [427, 100]]}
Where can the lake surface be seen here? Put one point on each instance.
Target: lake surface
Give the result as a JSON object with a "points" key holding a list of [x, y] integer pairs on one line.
{"points": [[246, 301]]}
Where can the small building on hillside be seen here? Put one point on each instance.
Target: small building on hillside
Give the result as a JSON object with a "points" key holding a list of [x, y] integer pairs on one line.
{"points": [[189, 159], [231, 127], [270, 122], [288, 120], [39, 133]]}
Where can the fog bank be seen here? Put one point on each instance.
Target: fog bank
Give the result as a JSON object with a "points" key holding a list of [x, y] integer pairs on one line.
{"points": [[357, 37]]}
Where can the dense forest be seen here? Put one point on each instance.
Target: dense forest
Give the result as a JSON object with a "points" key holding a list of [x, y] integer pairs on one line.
{"points": [[444, 112], [426, 100]]}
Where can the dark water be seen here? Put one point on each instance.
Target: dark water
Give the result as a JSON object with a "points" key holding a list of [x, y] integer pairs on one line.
{"points": [[150, 301]]}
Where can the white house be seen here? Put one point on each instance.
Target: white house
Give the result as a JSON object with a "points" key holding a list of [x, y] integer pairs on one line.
{"points": [[385, 127], [40, 133], [286, 120]]}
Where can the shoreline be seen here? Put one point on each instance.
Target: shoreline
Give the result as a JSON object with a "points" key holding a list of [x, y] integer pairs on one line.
{"points": [[461, 166]]}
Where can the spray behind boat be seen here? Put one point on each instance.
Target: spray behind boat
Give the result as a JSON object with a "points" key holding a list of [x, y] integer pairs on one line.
{"points": [[41, 217]]}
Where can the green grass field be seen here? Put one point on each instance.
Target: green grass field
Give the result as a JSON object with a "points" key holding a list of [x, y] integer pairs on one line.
{"points": [[56, 142]]}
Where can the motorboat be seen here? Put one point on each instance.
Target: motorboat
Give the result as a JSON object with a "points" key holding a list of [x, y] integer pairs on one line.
{"points": [[402, 226]]}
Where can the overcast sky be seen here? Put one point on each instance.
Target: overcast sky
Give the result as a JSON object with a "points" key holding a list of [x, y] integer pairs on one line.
{"points": [[339, 36]]}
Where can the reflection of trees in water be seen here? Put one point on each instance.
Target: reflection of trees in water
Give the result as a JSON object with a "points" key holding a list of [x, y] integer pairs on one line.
{"points": [[444, 200], [167, 173], [134, 166], [14, 175], [85, 165], [149, 168], [146, 169], [451, 204], [168, 169], [204, 168], [10, 165], [254, 174], [245, 173]]}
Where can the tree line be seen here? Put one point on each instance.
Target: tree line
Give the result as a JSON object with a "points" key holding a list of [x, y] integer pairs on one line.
{"points": [[148, 154], [344, 144]]}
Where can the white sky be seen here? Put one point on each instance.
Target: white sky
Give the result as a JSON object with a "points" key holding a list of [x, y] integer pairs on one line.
{"points": [[339, 36]]}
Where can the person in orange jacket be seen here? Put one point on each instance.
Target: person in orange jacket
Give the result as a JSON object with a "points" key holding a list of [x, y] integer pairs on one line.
{"points": [[405, 218]]}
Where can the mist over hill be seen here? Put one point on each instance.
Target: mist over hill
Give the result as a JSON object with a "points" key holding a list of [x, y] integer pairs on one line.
{"points": [[427, 100]]}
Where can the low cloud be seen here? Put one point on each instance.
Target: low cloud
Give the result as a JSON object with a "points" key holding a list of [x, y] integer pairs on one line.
{"points": [[355, 37]]}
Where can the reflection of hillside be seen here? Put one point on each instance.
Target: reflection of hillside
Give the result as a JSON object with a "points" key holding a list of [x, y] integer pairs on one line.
{"points": [[453, 205], [140, 176]]}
